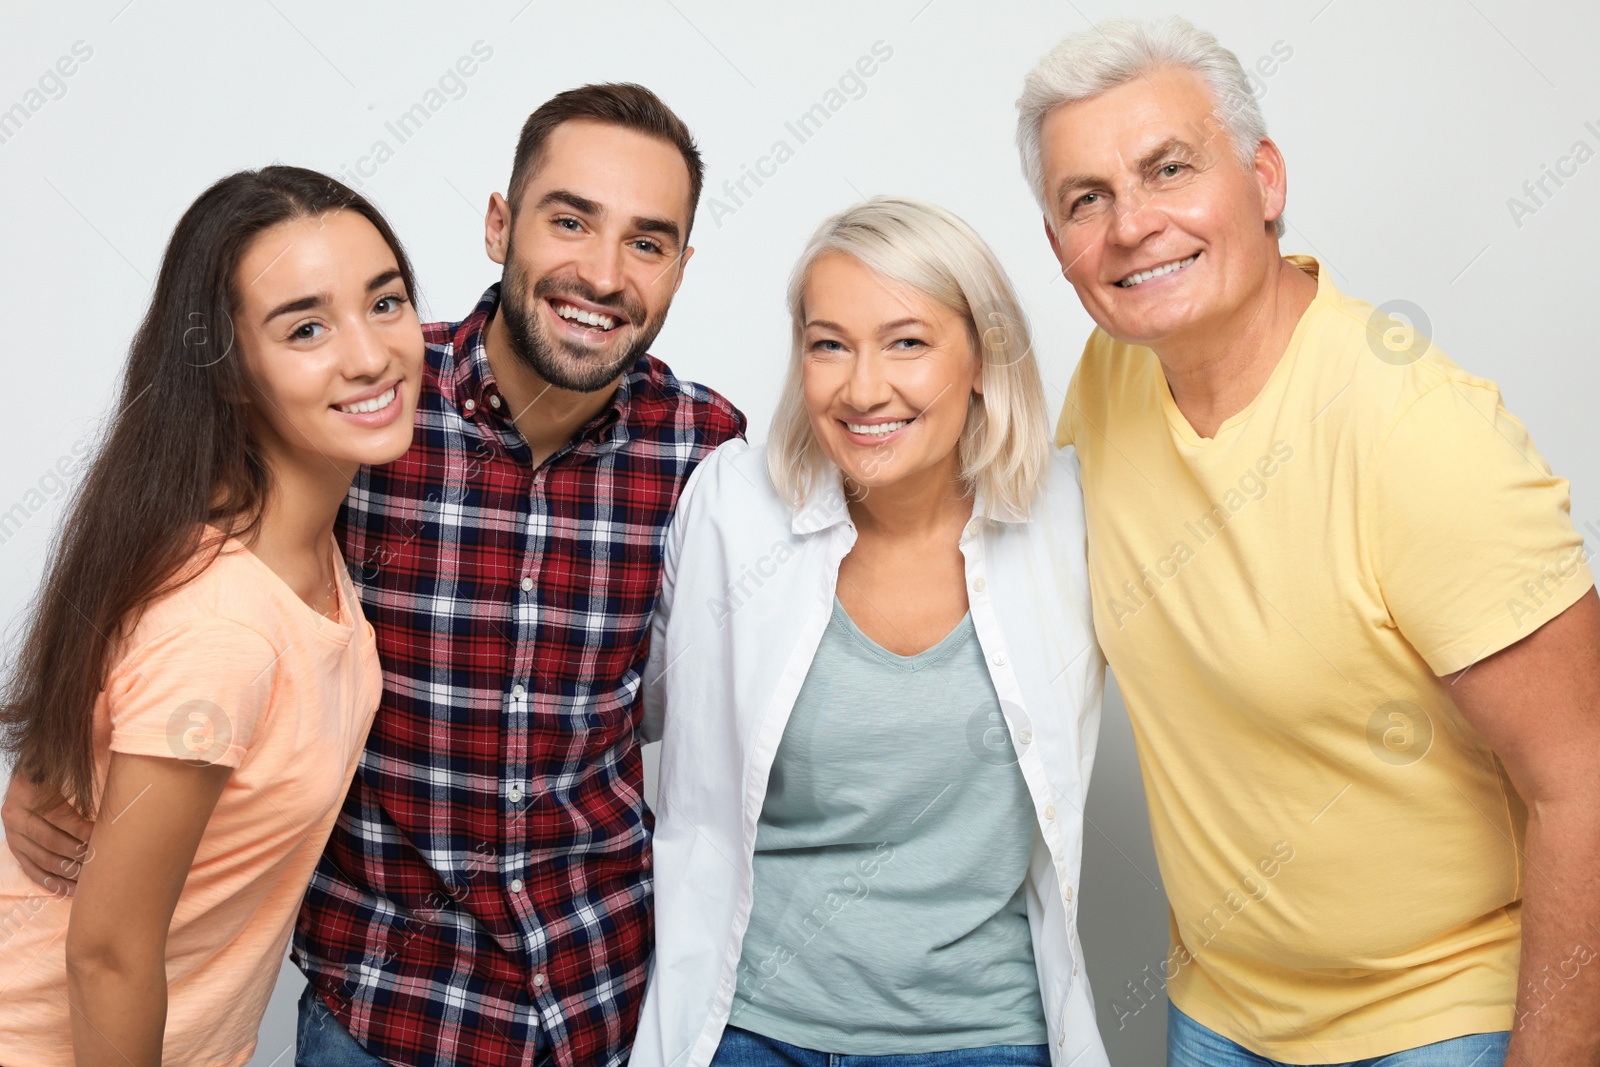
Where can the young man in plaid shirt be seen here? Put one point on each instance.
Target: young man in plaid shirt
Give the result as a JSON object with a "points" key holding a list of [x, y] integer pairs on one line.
{"points": [[485, 896]]}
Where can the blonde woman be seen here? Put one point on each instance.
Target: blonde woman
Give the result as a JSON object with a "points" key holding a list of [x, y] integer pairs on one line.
{"points": [[880, 690]]}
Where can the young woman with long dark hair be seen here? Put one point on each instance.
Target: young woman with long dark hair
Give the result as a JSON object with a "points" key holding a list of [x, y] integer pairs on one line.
{"points": [[196, 674]]}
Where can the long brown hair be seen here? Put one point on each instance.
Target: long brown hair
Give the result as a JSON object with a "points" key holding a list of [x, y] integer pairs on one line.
{"points": [[179, 455]]}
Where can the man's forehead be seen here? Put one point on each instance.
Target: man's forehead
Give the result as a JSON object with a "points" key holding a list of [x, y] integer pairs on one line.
{"points": [[1126, 123], [606, 148]]}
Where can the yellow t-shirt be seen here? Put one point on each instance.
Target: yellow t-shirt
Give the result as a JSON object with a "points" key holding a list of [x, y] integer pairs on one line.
{"points": [[1277, 603]]}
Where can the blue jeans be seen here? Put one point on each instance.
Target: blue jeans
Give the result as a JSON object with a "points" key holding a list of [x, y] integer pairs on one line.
{"points": [[1191, 1045], [741, 1048], [320, 1039]]}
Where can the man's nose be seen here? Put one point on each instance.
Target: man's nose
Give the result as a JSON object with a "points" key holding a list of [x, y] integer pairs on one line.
{"points": [[600, 267], [1134, 217]]}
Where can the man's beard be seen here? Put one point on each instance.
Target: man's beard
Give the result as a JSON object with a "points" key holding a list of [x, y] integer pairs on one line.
{"points": [[564, 364]]}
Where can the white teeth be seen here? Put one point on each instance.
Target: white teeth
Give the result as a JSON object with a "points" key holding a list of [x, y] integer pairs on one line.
{"points": [[877, 429], [365, 407], [588, 318], [1155, 272]]}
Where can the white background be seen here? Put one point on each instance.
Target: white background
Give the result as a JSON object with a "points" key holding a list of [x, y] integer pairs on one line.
{"points": [[1407, 126]]}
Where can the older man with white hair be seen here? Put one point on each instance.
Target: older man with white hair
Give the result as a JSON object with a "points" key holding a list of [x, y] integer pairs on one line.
{"points": [[1342, 593]]}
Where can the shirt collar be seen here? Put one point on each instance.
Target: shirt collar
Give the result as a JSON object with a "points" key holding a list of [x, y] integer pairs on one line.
{"points": [[476, 394]]}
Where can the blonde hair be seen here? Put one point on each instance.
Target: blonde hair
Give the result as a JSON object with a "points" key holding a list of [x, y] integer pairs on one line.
{"points": [[1004, 445]]}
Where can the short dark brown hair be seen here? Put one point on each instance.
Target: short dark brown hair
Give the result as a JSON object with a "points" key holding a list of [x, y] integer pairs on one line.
{"points": [[622, 104]]}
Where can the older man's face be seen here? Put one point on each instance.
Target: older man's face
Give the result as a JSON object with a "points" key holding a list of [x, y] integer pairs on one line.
{"points": [[1162, 232]]}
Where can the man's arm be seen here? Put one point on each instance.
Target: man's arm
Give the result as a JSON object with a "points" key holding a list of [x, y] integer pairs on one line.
{"points": [[1537, 704], [49, 843]]}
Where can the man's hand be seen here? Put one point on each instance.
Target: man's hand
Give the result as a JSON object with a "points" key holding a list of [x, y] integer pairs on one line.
{"points": [[50, 845]]}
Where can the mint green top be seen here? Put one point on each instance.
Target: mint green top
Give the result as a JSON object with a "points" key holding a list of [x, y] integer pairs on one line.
{"points": [[890, 860]]}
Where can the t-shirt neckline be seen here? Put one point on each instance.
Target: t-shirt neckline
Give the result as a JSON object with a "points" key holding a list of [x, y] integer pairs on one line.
{"points": [[339, 629], [917, 660], [1280, 373]]}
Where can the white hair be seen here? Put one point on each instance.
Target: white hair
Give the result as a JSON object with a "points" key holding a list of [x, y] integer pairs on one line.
{"points": [[1004, 445], [1093, 61]]}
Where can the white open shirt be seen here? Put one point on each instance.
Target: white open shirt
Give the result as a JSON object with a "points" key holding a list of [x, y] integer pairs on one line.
{"points": [[748, 588]]}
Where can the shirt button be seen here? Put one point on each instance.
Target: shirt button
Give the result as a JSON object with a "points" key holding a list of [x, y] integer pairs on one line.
{"points": [[999, 659], [518, 691], [979, 586], [538, 980], [494, 401], [1049, 811], [1024, 737], [469, 405], [527, 585], [514, 794], [516, 885], [1069, 894]]}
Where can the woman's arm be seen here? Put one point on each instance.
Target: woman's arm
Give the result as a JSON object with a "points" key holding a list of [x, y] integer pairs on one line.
{"points": [[149, 825]]}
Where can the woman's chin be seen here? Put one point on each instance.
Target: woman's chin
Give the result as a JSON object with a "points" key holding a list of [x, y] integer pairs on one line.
{"points": [[375, 450]]}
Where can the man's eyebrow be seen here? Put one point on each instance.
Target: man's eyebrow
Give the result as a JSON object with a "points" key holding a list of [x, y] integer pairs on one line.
{"points": [[1172, 146], [303, 303], [583, 205], [665, 227], [571, 199], [1072, 183]]}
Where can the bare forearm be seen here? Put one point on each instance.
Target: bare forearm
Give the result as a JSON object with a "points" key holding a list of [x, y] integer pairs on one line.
{"points": [[1558, 990], [119, 1011]]}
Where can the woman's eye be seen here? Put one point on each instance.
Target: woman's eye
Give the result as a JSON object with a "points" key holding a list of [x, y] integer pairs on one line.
{"points": [[387, 304], [909, 343], [306, 331], [826, 346]]}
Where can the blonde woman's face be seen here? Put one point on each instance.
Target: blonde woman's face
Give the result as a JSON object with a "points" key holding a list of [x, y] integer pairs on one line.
{"points": [[887, 374]]}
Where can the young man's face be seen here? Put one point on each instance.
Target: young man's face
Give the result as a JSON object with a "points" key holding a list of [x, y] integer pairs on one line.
{"points": [[1144, 178], [594, 254]]}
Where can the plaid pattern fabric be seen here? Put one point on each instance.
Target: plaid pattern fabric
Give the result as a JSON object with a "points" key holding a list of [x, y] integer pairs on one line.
{"points": [[486, 892]]}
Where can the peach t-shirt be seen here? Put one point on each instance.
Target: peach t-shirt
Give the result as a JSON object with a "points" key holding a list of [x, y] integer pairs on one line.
{"points": [[232, 668]]}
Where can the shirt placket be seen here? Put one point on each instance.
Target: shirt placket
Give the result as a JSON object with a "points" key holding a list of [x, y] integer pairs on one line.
{"points": [[520, 785]]}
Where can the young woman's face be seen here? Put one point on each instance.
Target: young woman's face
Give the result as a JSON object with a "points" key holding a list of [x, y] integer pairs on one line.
{"points": [[888, 373], [331, 342]]}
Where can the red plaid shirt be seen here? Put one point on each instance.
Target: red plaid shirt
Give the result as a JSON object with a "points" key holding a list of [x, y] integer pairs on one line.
{"points": [[486, 893]]}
